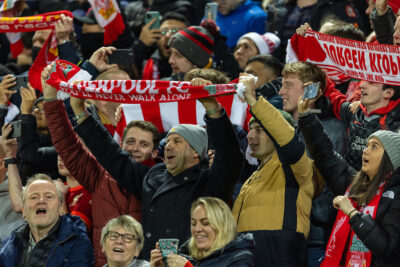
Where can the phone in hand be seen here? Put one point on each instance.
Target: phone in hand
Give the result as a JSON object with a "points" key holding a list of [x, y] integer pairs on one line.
{"points": [[211, 8], [22, 81], [168, 246], [16, 129], [311, 91], [151, 15], [121, 57]]}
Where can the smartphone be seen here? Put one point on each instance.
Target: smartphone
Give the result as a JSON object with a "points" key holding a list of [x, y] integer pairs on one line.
{"points": [[311, 91], [168, 246], [211, 8], [121, 57], [16, 129], [149, 16], [22, 81]]}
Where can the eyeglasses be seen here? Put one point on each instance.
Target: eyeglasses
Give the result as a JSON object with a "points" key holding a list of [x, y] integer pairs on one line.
{"points": [[127, 238], [166, 31]]}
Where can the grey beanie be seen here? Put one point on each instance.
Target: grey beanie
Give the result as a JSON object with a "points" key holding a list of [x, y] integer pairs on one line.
{"points": [[195, 43], [391, 143], [195, 135]]}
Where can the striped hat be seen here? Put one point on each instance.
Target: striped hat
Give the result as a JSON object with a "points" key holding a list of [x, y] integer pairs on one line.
{"points": [[195, 44]]}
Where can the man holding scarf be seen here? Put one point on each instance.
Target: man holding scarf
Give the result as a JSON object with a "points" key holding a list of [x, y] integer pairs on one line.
{"points": [[167, 190]]}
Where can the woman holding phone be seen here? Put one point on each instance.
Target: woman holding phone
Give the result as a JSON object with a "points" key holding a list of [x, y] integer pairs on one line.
{"points": [[214, 241], [367, 228]]}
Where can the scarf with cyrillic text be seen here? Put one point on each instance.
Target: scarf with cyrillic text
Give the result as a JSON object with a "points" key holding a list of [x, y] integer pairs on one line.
{"points": [[343, 58], [130, 91], [357, 253]]}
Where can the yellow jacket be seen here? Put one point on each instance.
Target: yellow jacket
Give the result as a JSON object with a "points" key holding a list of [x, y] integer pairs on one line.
{"points": [[278, 195]]}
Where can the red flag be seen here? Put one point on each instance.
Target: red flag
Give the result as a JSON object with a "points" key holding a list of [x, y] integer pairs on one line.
{"points": [[108, 16]]}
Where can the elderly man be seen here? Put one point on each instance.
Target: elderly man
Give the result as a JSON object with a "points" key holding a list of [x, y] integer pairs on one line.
{"points": [[47, 239]]}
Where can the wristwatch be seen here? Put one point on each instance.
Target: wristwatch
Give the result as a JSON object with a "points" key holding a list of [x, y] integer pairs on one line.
{"points": [[10, 161]]}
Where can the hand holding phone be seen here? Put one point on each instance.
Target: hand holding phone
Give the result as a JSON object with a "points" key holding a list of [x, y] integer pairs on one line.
{"points": [[168, 246], [21, 81], [121, 57], [211, 8], [151, 15], [16, 129], [311, 91]]}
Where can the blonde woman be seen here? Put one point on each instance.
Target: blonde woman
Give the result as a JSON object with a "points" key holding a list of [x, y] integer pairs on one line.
{"points": [[214, 241]]}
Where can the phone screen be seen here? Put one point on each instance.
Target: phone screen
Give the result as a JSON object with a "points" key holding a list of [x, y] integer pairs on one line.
{"points": [[311, 91]]}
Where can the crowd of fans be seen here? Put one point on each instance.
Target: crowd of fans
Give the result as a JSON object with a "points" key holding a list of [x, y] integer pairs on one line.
{"points": [[303, 181]]}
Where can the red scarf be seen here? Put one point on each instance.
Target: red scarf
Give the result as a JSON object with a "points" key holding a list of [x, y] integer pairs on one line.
{"points": [[49, 51], [343, 58], [127, 91], [342, 235]]}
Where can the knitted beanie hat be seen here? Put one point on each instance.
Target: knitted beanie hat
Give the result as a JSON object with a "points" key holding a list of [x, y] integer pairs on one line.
{"points": [[195, 135], [391, 143], [266, 43], [195, 43]]}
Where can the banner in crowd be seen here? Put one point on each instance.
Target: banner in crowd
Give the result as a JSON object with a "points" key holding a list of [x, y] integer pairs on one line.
{"points": [[108, 16], [31, 23], [131, 91], [7, 10], [377, 63], [166, 115]]}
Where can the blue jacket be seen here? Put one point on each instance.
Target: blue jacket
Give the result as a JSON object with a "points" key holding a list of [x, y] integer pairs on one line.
{"points": [[72, 246], [237, 253], [248, 17]]}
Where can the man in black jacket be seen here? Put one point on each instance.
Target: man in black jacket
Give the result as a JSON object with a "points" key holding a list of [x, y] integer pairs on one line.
{"points": [[168, 189]]}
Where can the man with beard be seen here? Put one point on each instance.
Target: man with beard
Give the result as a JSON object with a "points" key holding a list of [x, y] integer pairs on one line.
{"points": [[152, 46]]}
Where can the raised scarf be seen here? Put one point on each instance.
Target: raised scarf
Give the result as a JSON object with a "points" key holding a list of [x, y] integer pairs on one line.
{"points": [[343, 58], [130, 91]]}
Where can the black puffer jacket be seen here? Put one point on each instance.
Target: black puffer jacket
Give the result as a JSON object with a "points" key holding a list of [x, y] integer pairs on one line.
{"points": [[382, 235], [236, 253]]}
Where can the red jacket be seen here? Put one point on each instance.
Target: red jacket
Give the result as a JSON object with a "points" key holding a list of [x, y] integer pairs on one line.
{"points": [[109, 200]]}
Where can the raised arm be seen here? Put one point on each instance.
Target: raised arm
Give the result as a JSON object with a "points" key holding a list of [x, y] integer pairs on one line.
{"points": [[332, 166], [77, 159], [290, 149], [10, 147], [228, 160]]}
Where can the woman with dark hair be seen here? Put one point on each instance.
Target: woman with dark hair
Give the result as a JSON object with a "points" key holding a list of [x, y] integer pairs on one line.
{"points": [[367, 227]]}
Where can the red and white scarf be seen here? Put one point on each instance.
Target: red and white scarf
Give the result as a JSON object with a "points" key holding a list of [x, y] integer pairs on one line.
{"points": [[49, 51], [343, 58], [16, 45], [147, 98], [343, 236], [131, 91], [166, 115], [108, 16]]}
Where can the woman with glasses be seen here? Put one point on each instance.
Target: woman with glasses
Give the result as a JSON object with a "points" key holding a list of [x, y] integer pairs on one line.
{"points": [[214, 241], [122, 241]]}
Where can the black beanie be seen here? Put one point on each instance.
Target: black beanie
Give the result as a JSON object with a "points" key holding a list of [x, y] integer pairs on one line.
{"points": [[195, 44]]}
